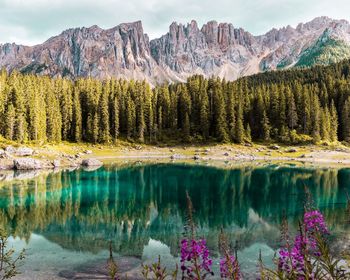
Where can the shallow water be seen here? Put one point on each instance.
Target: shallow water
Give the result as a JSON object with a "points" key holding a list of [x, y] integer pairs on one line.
{"points": [[66, 219]]}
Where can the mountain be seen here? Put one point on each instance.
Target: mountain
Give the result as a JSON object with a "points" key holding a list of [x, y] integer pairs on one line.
{"points": [[220, 49]]}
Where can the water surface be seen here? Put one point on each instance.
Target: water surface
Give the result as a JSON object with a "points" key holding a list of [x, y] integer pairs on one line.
{"points": [[66, 219]]}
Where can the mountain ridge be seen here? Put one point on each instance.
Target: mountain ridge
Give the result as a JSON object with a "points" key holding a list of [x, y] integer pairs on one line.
{"points": [[219, 49]]}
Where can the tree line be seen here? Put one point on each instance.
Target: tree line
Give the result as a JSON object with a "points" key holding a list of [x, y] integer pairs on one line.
{"points": [[292, 106]]}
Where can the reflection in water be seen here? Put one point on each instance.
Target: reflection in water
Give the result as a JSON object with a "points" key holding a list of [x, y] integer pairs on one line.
{"points": [[81, 210]]}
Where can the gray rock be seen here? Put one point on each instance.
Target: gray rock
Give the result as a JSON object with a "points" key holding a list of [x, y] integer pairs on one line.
{"points": [[274, 147], [27, 164], [24, 151], [88, 152], [292, 150], [56, 163], [10, 149], [91, 162], [196, 157], [176, 156], [226, 154]]}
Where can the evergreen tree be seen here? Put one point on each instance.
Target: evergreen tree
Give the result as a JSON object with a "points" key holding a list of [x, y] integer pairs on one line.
{"points": [[266, 128], [76, 118], [239, 135], [333, 123], [10, 119], [346, 120], [103, 116], [291, 110]]}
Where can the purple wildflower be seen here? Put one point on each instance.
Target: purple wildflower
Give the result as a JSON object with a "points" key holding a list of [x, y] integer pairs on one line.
{"points": [[293, 259], [195, 259], [315, 223]]}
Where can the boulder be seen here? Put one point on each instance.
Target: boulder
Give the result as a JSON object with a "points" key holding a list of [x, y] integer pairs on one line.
{"points": [[88, 152], [91, 162], [274, 147], [226, 154], [24, 151], [10, 149], [56, 163], [292, 150], [27, 164], [196, 157]]}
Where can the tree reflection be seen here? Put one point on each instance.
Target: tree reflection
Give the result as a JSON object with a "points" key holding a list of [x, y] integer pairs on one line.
{"points": [[82, 210]]}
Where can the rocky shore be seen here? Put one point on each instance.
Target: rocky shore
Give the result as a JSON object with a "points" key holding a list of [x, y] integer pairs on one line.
{"points": [[92, 156], [25, 158]]}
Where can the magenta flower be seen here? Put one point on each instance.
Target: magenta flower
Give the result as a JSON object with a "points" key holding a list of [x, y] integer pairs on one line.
{"points": [[293, 259], [314, 222], [195, 260]]}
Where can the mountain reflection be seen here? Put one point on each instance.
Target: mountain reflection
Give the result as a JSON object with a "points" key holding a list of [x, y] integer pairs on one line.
{"points": [[82, 210]]}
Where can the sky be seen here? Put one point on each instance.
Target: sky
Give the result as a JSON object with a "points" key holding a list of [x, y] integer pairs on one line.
{"points": [[31, 22]]}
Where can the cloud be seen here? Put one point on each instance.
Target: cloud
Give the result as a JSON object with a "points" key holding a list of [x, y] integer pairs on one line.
{"points": [[34, 21]]}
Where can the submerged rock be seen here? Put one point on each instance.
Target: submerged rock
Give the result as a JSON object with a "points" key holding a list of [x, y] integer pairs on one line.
{"points": [[91, 162]]}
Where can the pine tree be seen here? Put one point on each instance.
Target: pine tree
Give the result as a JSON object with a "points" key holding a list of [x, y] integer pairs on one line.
{"points": [[239, 134], [76, 118], [53, 116], [346, 120], [291, 110], [333, 123], [266, 128], [10, 119], [325, 124], [315, 120], [248, 134], [219, 113], [185, 110], [103, 116], [204, 115], [186, 128]]}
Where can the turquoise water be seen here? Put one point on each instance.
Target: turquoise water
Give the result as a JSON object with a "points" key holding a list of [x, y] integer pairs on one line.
{"points": [[66, 219]]}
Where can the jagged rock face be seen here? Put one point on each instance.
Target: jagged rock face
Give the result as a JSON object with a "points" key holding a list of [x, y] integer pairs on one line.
{"points": [[215, 49], [187, 49], [122, 51]]}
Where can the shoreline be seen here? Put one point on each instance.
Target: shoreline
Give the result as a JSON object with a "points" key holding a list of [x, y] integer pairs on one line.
{"points": [[70, 157]]}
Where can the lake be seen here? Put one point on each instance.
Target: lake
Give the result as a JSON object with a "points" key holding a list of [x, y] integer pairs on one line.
{"points": [[67, 219]]}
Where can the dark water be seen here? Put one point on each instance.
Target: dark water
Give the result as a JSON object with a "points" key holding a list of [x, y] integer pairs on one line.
{"points": [[66, 219]]}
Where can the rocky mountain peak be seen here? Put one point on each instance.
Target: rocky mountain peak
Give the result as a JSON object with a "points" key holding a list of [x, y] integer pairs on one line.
{"points": [[125, 51]]}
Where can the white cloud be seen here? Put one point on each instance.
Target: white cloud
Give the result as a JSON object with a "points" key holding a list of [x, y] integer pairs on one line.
{"points": [[33, 21]]}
